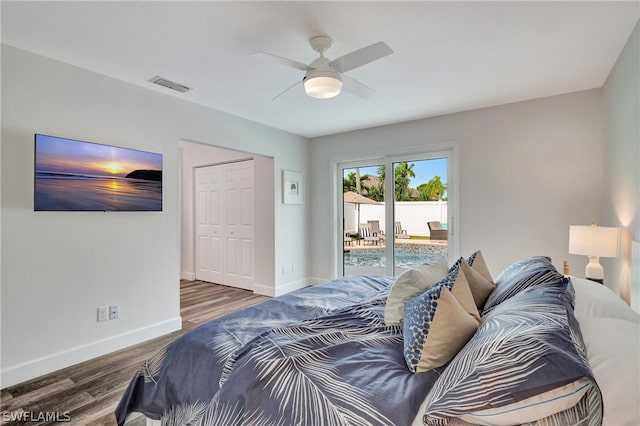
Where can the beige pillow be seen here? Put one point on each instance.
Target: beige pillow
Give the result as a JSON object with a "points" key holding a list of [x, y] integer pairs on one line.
{"points": [[478, 264], [480, 286], [438, 323], [409, 284], [461, 290]]}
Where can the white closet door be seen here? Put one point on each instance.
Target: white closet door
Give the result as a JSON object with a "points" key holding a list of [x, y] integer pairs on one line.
{"points": [[224, 210], [209, 223]]}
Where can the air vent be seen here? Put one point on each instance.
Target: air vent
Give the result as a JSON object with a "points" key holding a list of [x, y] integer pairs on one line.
{"points": [[170, 84]]}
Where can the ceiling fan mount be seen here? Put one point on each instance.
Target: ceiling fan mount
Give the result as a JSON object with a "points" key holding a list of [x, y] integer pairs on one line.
{"points": [[321, 44], [323, 77]]}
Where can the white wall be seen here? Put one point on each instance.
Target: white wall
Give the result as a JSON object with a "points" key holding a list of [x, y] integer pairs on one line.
{"points": [[621, 95], [527, 171], [58, 267]]}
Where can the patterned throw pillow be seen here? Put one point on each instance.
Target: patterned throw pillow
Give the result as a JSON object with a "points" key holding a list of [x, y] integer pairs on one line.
{"points": [[439, 322], [526, 362], [537, 271], [407, 285]]}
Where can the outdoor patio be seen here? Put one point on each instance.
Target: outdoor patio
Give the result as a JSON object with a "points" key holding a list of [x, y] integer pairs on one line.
{"points": [[364, 252]]}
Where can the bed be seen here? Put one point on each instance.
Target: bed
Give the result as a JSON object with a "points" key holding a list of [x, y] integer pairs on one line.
{"points": [[438, 345]]}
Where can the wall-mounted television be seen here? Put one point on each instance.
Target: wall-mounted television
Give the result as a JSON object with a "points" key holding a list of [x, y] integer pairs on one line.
{"points": [[73, 175]]}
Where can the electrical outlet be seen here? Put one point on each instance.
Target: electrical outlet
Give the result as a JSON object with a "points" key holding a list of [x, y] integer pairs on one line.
{"points": [[103, 313], [114, 312]]}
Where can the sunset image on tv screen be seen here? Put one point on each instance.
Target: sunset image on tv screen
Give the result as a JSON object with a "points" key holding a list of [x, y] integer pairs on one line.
{"points": [[84, 176]]}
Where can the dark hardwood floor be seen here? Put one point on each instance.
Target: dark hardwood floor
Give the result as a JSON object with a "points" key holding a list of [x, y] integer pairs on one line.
{"points": [[89, 392]]}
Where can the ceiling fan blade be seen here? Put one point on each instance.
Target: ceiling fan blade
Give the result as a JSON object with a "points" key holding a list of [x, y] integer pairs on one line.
{"points": [[361, 57], [282, 61], [354, 87], [286, 90]]}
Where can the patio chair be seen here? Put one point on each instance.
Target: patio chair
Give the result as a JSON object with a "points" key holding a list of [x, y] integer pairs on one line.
{"points": [[366, 234], [399, 232], [375, 228], [436, 232]]}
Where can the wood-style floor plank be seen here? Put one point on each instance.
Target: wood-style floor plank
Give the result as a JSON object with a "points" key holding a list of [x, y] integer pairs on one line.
{"points": [[90, 391]]}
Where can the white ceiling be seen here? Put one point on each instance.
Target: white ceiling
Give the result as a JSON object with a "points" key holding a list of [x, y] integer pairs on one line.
{"points": [[448, 56]]}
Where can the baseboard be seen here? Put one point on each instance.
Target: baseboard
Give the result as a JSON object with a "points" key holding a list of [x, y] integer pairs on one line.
{"points": [[316, 281], [281, 289], [189, 276], [40, 366]]}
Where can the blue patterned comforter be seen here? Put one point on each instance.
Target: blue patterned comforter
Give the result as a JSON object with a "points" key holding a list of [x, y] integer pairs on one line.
{"points": [[324, 356], [321, 353]]}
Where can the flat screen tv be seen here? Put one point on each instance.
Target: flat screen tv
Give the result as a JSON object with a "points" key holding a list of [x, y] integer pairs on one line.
{"points": [[72, 175]]}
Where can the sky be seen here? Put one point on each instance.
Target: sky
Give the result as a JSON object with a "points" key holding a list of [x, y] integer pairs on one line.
{"points": [[425, 170], [60, 155]]}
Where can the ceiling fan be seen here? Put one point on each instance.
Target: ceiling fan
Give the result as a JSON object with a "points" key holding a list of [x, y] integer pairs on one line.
{"points": [[323, 78]]}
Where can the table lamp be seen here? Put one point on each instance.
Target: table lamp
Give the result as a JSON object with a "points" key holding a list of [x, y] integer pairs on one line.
{"points": [[596, 242]]}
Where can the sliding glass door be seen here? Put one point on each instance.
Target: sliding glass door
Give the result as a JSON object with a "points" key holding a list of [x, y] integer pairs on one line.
{"points": [[363, 251], [399, 220], [420, 201]]}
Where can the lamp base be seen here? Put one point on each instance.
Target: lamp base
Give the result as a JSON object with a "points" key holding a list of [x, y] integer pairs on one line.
{"points": [[594, 270]]}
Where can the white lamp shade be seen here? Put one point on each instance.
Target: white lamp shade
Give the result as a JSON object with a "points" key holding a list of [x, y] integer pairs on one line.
{"points": [[600, 241], [322, 87]]}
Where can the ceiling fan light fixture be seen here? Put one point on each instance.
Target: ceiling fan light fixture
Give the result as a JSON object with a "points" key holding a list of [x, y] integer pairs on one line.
{"points": [[322, 86], [322, 79]]}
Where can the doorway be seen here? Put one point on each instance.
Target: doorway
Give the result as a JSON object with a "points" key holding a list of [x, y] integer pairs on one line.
{"points": [[197, 154]]}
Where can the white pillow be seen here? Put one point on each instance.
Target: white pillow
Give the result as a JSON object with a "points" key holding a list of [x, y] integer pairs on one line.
{"points": [[533, 408], [596, 300], [613, 351], [409, 284]]}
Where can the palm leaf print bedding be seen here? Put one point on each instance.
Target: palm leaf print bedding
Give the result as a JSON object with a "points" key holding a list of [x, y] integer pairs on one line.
{"points": [[322, 354]]}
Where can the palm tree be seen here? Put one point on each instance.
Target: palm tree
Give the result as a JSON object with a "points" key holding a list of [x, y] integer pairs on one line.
{"points": [[376, 193], [402, 176], [352, 183], [433, 190], [403, 173]]}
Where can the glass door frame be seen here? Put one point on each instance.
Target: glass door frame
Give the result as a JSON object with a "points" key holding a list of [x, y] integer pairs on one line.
{"points": [[448, 151], [341, 165]]}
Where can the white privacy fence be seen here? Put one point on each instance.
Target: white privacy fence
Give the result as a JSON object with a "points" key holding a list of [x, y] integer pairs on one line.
{"points": [[413, 215]]}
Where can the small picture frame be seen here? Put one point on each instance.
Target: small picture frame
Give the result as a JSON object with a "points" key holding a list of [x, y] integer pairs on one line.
{"points": [[292, 187]]}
